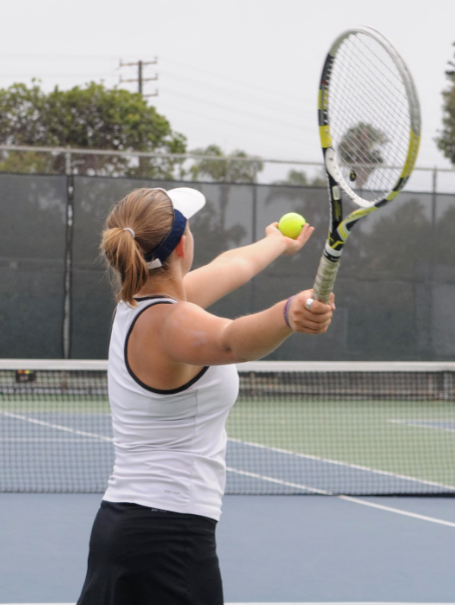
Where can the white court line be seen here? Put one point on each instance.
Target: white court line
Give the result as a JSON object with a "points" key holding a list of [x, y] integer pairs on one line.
{"points": [[58, 427], [288, 603], [397, 511], [280, 481], [44, 440], [339, 463], [389, 509], [249, 443], [426, 424], [265, 477]]}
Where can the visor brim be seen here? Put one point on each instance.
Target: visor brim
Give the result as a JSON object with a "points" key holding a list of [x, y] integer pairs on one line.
{"points": [[187, 200]]}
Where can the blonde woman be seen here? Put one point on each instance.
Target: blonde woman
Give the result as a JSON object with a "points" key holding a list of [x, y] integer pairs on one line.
{"points": [[172, 381]]}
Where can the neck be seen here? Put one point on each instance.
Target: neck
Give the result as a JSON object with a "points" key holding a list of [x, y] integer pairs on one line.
{"points": [[170, 285]]}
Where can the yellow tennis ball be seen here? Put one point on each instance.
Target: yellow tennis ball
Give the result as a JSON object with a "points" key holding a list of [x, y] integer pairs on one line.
{"points": [[291, 224]]}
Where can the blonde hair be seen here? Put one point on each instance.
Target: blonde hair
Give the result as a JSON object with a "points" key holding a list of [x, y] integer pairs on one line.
{"points": [[149, 213]]}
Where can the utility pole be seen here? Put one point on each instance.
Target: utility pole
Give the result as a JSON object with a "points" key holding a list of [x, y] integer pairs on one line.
{"points": [[140, 78]]}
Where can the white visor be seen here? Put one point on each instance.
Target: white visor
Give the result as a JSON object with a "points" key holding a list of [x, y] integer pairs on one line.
{"points": [[187, 200]]}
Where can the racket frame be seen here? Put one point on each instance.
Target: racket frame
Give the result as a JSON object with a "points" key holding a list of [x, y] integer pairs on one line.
{"points": [[339, 228]]}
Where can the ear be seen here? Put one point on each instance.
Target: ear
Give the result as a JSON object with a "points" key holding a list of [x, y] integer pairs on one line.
{"points": [[180, 248]]}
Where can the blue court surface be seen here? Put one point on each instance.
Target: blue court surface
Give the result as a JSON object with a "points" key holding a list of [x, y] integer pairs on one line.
{"points": [[272, 549]]}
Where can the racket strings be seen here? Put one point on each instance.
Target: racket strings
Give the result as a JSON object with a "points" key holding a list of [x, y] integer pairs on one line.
{"points": [[362, 142], [385, 99], [369, 116], [368, 85], [364, 54]]}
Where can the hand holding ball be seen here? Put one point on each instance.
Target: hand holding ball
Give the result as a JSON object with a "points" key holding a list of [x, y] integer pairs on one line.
{"points": [[291, 225]]}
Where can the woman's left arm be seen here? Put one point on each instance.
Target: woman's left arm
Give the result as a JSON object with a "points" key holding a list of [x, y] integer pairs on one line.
{"points": [[234, 268]]}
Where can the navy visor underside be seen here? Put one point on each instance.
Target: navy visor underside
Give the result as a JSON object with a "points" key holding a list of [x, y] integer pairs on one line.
{"points": [[157, 256]]}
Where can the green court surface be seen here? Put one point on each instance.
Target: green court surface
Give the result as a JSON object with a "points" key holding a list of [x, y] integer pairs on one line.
{"points": [[334, 444], [411, 438]]}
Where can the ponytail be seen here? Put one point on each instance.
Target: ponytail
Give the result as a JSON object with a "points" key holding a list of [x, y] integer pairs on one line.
{"points": [[148, 214]]}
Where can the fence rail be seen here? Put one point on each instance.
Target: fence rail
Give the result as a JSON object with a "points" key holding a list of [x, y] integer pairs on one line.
{"points": [[178, 165]]}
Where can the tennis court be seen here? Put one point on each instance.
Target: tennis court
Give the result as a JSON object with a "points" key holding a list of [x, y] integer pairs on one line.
{"points": [[374, 429], [272, 549], [368, 433]]}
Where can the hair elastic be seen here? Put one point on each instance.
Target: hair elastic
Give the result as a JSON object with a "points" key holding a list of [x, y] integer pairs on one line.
{"points": [[131, 231]]}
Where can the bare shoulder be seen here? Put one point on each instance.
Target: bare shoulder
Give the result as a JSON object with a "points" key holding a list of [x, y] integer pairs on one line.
{"points": [[167, 336], [151, 346], [159, 318]]}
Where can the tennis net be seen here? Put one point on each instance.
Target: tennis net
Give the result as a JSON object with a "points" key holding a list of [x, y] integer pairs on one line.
{"points": [[297, 428]]}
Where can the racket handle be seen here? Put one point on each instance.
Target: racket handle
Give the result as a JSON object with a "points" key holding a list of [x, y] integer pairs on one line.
{"points": [[325, 278]]}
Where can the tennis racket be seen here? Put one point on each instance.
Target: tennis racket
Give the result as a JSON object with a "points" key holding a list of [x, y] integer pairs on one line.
{"points": [[369, 125]]}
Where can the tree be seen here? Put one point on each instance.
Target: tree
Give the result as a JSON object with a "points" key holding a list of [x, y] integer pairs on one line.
{"points": [[210, 223], [360, 150], [450, 73], [91, 117], [227, 170], [298, 178], [446, 140]]}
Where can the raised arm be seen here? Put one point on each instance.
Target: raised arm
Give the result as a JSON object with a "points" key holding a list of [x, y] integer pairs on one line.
{"points": [[235, 268], [190, 335]]}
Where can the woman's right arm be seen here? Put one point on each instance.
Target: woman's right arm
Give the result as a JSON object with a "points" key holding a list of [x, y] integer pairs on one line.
{"points": [[188, 334]]}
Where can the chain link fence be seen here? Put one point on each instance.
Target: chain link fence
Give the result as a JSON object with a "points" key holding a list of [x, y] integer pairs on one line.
{"points": [[395, 290]]}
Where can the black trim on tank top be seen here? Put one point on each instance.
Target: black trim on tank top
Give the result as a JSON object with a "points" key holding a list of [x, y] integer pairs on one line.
{"points": [[130, 371], [152, 297]]}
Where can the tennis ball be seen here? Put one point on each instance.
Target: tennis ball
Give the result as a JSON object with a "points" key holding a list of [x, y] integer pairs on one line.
{"points": [[291, 224]]}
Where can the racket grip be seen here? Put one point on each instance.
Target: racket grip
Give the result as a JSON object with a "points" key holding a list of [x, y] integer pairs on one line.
{"points": [[325, 278]]}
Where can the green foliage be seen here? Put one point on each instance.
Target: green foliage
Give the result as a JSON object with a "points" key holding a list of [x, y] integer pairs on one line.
{"points": [[91, 117], [450, 73], [225, 171], [209, 229], [27, 162], [395, 235], [298, 178], [446, 140], [360, 147]]}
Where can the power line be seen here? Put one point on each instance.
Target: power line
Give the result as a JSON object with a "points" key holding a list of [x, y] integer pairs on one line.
{"points": [[226, 91], [243, 127], [25, 57], [66, 75], [225, 78], [231, 109]]}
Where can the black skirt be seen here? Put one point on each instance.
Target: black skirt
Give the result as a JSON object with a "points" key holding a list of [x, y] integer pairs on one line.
{"points": [[143, 556]]}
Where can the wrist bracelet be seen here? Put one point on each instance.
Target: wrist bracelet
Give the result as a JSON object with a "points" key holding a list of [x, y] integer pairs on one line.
{"points": [[286, 307]]}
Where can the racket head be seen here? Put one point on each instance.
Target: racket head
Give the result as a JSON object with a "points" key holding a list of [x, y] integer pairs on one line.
{"points": [[369, 117]]}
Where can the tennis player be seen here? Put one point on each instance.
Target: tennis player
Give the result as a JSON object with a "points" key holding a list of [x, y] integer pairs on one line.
{"points": [[172, 381]]}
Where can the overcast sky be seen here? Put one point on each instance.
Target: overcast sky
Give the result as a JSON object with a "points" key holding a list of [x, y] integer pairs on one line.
{"points": [[242, 74]]}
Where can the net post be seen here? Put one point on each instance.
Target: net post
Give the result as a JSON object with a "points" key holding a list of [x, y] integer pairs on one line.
{"points": [[254, 235], [448, 386], [66, 336], [433, 248]]}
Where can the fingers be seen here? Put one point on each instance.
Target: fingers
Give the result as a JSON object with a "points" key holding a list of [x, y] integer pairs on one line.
{"points": [[294, 245], [315, 320], [317, 307], [272, 229], [305, 234], [303, 237]]}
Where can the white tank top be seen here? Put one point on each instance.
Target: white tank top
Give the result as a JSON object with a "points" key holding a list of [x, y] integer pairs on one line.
{"points": [[169, 445]]}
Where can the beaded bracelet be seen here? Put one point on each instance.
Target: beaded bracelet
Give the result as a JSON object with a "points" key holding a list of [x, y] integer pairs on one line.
{"points": [[286, 307]]}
